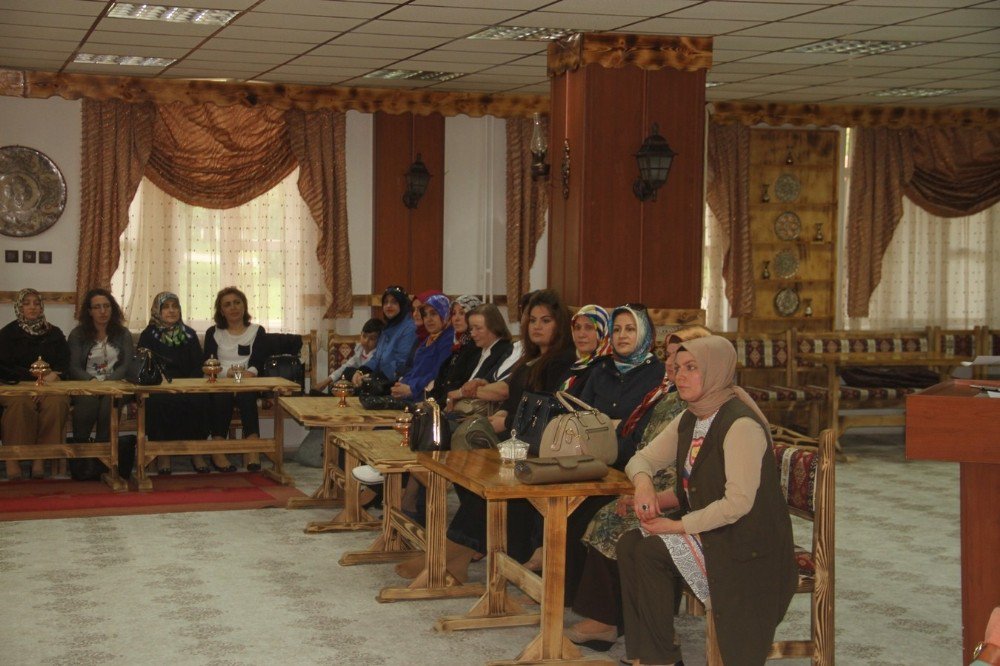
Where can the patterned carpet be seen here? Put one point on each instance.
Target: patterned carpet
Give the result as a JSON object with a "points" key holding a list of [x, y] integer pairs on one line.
{"points": [[249, 587]]}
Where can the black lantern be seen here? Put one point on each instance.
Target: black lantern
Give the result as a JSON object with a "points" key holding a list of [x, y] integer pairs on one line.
{"points": [[654, 159], [416, 183]]}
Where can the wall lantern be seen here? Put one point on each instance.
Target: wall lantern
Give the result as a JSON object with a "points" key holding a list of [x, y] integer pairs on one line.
{"points": [[416, 183], [538, 146], [654, 159]]}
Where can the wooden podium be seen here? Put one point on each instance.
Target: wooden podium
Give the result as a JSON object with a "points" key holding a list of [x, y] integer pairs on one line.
{"points": [[955, 422]]}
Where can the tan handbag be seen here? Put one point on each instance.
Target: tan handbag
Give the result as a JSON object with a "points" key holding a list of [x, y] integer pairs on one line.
{"points": [[583, 431], [565, 469]]}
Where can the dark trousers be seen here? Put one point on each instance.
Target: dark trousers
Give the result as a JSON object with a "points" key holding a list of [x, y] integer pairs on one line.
{"points": [[222, 413], [599, 596], [468, 526], [649, 581]]}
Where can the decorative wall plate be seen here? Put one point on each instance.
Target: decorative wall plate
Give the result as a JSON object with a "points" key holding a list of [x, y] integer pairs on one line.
{"points": [[787, 226], [32, 191], [786, 302], [786, 264], [787, 187]]}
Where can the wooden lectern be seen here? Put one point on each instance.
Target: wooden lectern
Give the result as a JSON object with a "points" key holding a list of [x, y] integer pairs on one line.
{"points": [[955, 422]]}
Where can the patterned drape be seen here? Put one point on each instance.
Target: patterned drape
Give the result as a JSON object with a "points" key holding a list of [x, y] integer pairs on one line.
{"points": [[317, 141], [948, 171], [527, 209], [117, 142], [728, 196]]}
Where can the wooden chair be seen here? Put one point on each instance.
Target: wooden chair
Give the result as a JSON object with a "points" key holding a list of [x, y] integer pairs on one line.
{"points": [[806, 470]]}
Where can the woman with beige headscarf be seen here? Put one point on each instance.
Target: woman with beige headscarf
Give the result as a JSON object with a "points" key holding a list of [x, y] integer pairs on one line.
{"points": [[731, 537]]}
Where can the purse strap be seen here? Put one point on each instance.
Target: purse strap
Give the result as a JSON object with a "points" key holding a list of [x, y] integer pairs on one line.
{"points": [[565, 398]]}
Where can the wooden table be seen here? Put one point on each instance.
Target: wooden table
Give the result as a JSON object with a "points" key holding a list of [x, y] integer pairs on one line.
{"points": [[482, 473], [952, 422], [103, 451], [381, 449], [147, 450], [324, 412]]}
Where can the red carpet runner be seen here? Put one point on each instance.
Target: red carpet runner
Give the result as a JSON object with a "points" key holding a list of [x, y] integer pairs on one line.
{"points": [[64, 498]]}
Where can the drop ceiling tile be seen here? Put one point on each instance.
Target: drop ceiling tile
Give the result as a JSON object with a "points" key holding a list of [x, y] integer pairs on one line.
{"points": [[390, 41], [502, 70], [422, 65], [636, 7], [299, 79], [797, 96], [211, 55], [912, 32], [251, 46], [216, 71], [369, 63], [756, 11], [18, 58], [48, 46], [963, 84], [363, 10], [901, 59], [522, 5], [533, 61], [935, 73], [145, 50], [174, 41], [533, 90], [847, 69], [800, 80], [986, 76], [271, 34], [440, 56], [484, 77], [495, 46], [953, 49], [78, 7], [753, 86], [156, 27], [58, 34], [723, 77], [419, 28], [984, 37], [338, 50], [672, 26], [387, 83], [311, 70], [976, 18], [9, 17], [934, 4], [460, 85], [863, 14], [753, 68], [811, 31], [452, 15], [720, 94], [112, 70], [297, 22], [803, 59], [750, 43], [592, 22]]}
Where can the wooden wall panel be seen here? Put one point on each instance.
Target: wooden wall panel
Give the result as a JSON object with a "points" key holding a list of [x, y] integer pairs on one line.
{"points": [[407, 244]]}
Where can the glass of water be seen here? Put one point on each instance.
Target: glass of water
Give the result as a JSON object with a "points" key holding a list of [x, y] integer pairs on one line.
{"points": [[238, 370]]}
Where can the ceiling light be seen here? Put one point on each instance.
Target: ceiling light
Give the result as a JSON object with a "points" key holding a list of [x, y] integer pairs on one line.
{"points": [[914, 92], [522, 34], [853, 46], [133, 61], [713, 84], [172, 14], [412, 75]]}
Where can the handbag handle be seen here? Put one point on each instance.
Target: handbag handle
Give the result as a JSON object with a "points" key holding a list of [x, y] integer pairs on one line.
{"points": [[581, 406]]}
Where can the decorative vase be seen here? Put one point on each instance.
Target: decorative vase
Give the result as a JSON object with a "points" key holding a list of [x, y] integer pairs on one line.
{"points": [[39, 369], [808, 310], [766, 273], [342, 388], [764, 196], [819, 233], [212, 367], [788, 156]]}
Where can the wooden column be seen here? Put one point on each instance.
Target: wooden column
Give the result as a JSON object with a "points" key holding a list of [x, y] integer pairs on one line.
{"points": [[407, 243], [605, 245]]}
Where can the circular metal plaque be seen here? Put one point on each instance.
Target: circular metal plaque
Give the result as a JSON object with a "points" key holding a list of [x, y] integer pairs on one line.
{"points": [[786, 302], [787, 187], [786, 264], [32, 191], [787, 226]]}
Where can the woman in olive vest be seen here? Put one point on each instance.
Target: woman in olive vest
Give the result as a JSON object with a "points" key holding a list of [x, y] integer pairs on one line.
{"points": [[731, 537]]}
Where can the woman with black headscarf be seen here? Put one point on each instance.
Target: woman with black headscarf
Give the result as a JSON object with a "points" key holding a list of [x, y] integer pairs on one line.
{"points": [[396, 340]]}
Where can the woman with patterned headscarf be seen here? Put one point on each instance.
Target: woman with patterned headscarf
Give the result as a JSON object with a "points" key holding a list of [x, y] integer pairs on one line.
{"points": [[431, 353], [29, 420], [457, 368], [591, 327], [175, 345]]}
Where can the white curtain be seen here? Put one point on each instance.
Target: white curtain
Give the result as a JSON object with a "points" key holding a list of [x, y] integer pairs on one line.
{"points": [[938, 271], [713, 294], [266, 248]]}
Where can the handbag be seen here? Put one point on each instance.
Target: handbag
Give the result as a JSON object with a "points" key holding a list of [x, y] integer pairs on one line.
{"points": [[474, 433], [144, 369], [429, 430], [564, 469], [534, 413], [288, 366], [582, 430], [382, 402], [473, 407], [374, 384]]}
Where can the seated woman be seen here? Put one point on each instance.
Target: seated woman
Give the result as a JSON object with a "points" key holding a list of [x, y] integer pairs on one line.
{"points": [[395, 341], [100, 348], [430, 354], [234, 340], [175, 345], [591, 327], [29, 420], [493, 345], [730, 539], [417, 309], [598, 599], [464, 353]]}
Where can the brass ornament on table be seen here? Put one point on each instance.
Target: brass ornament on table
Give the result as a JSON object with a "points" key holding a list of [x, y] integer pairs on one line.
{"points": [[39, 369], [764, 196], [212, 367], [402, 426], [342, 388]]}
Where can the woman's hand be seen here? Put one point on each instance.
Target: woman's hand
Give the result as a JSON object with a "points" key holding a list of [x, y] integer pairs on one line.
{"points": [[455, 395], [469, 388], [499, 421], [400, 391], [51, 377], [357, 378], [662, 526], [624, 505], [645, 503]]}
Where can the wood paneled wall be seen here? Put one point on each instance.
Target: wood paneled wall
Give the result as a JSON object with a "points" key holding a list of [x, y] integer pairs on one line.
{"points": [[605, 245], [407, 244]]}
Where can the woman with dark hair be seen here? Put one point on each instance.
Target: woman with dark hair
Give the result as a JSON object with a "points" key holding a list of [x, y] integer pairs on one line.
{"points": [[100, 348], [29, 420], [395, 341], [234, 341], [430, 354], [175, 345]]}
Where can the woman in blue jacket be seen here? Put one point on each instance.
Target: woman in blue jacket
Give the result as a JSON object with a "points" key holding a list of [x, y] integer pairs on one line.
{"points": [[396, 340]]}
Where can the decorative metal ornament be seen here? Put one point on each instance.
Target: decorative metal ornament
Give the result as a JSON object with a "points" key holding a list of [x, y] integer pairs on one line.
{"points": [[211, 367], [819, 233], [32, 191], [764, 196], [786, 264], [786, 302], [766, 273], [787, 187], [788, 156], [808, 310], [40, 369], [565, 169], [342, 388], [787, 226]]}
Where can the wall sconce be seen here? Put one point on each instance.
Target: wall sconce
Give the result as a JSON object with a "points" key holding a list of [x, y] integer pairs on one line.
{"points": [[416, 183], [654, 159], [538, 146]]}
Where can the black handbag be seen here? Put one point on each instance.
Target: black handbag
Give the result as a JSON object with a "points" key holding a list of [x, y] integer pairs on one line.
{"points": [[382, 402], [288, 366], [144, 369], [374, 384], [534, 413], [429, 429]]}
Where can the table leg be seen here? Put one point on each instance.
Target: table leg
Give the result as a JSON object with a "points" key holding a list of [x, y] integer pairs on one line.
{"points": [[277, 456], [112, 477], [142, 482], [391, 545], [353, 517], [328, 493]]}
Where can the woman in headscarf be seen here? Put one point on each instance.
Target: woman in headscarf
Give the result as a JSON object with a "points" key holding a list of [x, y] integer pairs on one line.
{"points": [[100, 348], [431, 353], [395, 341], [29, 420], [175, 345], [591, 328], [730, 538], [598, 599], [457, 368], [417, 311]]}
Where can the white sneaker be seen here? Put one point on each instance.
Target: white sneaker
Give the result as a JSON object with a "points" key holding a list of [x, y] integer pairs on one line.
{"points": [[368, 475]]}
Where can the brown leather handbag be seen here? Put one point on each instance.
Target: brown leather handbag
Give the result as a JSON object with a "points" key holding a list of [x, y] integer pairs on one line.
{"points": [[581, 431], [564, 469]]}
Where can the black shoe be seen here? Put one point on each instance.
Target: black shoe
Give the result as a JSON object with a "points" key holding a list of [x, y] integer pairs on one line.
{"points": [[253, 467], [228, 468], [202, 470], [165, 471]]}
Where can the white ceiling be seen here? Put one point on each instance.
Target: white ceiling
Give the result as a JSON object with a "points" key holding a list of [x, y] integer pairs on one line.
{"points": [[335, 42]]}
